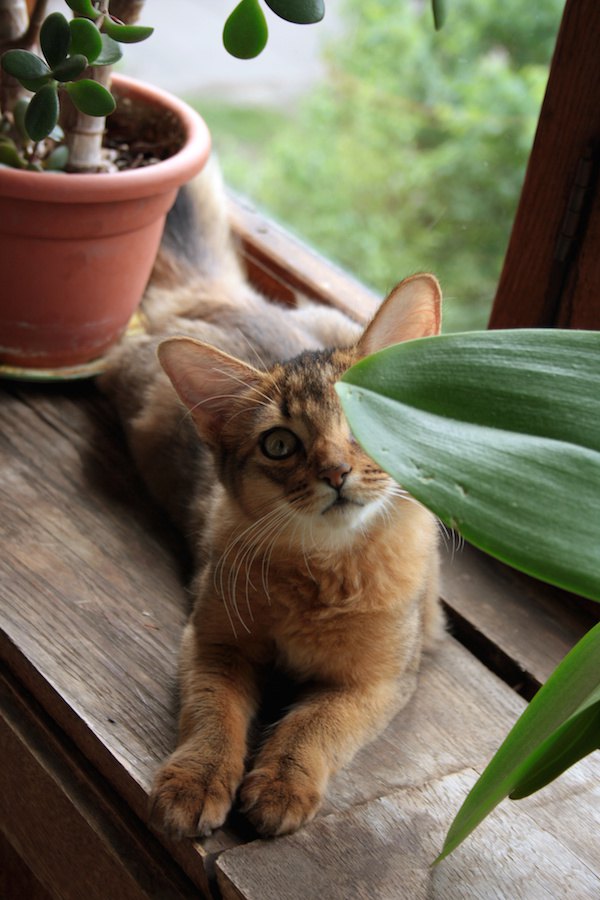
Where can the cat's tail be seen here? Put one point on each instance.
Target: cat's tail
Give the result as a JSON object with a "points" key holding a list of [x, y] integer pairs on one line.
{"points": [[197, 249]]}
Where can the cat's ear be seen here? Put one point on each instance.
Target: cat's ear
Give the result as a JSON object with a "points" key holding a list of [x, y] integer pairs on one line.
{"points": [[412, 310], [207, 380]]}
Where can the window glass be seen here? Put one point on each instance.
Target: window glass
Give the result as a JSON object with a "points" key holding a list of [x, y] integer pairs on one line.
{"points": [[388, 146]]}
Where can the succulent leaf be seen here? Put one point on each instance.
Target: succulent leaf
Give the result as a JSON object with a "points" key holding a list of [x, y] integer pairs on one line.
{"points": [[246, 33], [91, 98], [23, 65], [85, 39], [55, 38], [42, 113], [83, 7], [300, 12], [70, 68], [110, 53], [126, 34]]}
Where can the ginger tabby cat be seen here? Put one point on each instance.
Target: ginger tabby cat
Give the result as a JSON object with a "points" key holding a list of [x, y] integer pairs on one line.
{"points": [[309, 557]]}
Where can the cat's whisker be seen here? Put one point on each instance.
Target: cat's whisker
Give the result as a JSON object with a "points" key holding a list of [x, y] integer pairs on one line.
{"points": [[253, 388], [254, 548], [255, 537], [262, 363]]}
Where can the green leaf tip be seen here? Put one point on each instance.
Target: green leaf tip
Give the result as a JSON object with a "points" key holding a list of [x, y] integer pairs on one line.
{"points": [[438, 7], [559, 727]]}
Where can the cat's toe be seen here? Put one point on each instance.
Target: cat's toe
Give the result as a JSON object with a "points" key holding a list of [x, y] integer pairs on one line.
{"points": [[279, 804], [191, 801]]}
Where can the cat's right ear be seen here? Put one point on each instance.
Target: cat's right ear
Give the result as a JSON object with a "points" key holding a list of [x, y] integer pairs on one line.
{"points": [[412, 310], [207, 381]]}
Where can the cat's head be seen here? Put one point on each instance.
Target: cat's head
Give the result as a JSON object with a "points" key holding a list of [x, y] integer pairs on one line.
{"points": [[282, 446]]}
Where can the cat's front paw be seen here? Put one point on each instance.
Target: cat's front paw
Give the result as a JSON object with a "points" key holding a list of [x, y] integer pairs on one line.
{"points": [[279, 800], [190, 798]]}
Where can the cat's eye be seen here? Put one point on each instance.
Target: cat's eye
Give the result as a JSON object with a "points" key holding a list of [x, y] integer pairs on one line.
{"points": [[279, 443]]}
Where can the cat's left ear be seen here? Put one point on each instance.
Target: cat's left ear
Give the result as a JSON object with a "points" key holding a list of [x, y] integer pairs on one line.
{"points": [[207, 380], [412, 310]]}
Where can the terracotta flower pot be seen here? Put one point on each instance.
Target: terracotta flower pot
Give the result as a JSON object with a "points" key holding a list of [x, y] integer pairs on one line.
{"points": [[76, 251]]}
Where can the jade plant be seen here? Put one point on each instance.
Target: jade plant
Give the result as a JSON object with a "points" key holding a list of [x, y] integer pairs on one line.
{"points": [[55, 77], [246, 32], [65, 64]]}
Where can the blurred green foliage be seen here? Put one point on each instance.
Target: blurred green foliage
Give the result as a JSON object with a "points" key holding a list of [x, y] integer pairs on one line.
{"points": [[410, 155]]}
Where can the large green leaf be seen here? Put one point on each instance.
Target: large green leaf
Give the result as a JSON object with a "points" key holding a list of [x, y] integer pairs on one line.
{"points": [[560, 726], [498, 433]]}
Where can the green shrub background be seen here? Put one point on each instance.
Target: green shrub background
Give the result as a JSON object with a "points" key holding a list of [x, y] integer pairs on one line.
{"points": [[411, 154]]}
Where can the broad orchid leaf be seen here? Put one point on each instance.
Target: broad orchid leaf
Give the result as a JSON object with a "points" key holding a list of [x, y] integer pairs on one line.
{"points": [[85, 39], [91, 98], [42, 113], [110, 52], [55, 38], [438, 8], [70, 68], [498, 433], [560, 726], [579, 736], [245, 33], [300, 12], [83, 7], [24, 65], [126, 34]]}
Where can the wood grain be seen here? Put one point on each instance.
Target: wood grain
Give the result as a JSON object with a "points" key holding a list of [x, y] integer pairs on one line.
{"points": [[383, 850], [551, 273], [496, 610], [76, 837], [282, 265]]}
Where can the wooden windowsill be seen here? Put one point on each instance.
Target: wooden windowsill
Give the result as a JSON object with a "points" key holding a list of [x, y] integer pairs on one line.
{"points": [[93, 604]]}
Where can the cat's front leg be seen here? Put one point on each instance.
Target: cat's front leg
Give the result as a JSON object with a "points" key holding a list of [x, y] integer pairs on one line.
{"points": [[318, 736], [194, 789]]}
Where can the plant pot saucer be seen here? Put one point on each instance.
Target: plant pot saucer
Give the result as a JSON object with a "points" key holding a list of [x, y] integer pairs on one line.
{"points": [[89, 369]]}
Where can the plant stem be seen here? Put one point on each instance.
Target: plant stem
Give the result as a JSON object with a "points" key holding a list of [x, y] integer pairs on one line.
{"points": [[14, 20]]}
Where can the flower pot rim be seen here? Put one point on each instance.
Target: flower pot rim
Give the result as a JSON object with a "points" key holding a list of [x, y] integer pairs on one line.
{"points": [[105, 187]]}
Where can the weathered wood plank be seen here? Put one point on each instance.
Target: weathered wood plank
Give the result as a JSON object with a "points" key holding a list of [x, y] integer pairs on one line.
{"points": [[76, 838], [283, 265], [383, 850], [497, 611]]}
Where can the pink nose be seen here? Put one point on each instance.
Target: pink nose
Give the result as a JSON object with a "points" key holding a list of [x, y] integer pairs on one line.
{"points": [[335, 475]]}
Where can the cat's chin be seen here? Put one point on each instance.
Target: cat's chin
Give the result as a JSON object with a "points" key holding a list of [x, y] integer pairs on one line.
{"points": [[340, 522]]}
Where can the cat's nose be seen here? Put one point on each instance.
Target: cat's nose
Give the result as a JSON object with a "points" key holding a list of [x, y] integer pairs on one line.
{"points": [[335, 475]]}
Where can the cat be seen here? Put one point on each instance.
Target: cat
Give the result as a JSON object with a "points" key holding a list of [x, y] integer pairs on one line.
{"points": [[308, 555]]}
